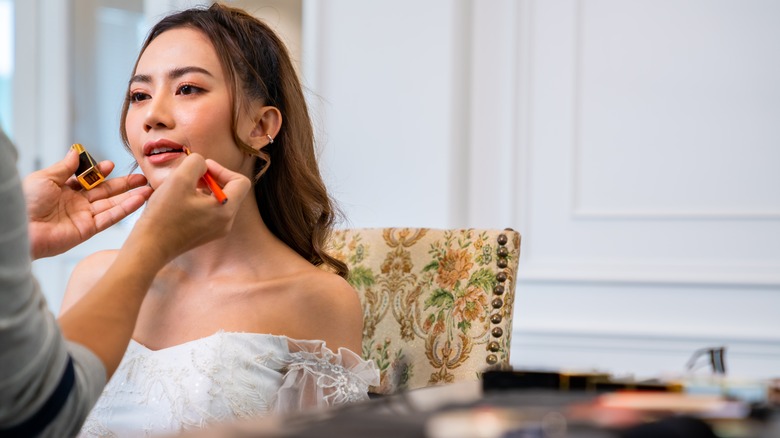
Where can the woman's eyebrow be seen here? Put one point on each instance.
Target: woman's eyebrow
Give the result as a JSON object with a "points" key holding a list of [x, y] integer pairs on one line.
{"points": [[181, 71], [145, 79], [173, 74]]}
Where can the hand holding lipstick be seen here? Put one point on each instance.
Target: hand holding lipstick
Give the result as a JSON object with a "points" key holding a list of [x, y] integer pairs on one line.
{"points": [[62, 214]]}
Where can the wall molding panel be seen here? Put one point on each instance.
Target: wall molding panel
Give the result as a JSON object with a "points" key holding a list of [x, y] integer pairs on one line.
{"points": [[659, 275], [631, 158], [614, 244]]}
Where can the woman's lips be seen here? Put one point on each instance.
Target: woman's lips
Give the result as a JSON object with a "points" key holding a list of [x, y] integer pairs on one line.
{"points": [[162, 151], [164, 157]]}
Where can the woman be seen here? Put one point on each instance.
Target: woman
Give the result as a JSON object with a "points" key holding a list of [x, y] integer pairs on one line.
{"points": [[250, 323]]}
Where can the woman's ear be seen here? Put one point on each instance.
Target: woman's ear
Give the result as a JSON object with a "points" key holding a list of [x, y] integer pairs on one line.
{"points": [[268, 122]]}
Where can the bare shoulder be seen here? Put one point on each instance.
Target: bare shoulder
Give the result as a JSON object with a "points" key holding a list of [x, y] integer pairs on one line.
{"points": [[329, 289], [86, 273], [331, 311]]}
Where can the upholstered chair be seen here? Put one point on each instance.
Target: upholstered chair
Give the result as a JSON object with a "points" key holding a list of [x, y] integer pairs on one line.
{"points": [[437, 303]]}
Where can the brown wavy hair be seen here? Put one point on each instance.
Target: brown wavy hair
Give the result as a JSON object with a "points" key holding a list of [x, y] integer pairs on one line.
{"points": [[290, 193]]}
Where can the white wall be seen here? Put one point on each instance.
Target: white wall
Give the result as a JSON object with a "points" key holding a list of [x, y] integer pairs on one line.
{"points": [[633, 144], [389, 87]]}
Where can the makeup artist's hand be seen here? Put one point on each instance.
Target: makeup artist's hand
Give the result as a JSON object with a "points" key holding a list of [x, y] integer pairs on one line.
{"points": [[179, 216], [62, 215]]}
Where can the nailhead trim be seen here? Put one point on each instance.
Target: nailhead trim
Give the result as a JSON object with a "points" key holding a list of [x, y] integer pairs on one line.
{"points": [[502, 252]]}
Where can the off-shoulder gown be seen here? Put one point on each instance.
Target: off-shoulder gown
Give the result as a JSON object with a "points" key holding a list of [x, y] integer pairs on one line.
{"points": [[223, 377]]}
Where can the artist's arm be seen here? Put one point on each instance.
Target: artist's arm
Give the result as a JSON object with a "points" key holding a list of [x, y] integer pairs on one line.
{"points": [[47, 385], [177, 218]]}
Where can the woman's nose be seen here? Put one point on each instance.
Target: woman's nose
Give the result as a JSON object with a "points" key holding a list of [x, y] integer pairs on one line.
{"points": [[158, 114]]}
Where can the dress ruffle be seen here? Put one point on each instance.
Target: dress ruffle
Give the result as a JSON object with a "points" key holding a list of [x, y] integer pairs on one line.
{"points": [[318, 377]]}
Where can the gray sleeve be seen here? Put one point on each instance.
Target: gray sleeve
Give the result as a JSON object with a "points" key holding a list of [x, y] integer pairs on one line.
{"points": [[90, 380], [33, 353]]}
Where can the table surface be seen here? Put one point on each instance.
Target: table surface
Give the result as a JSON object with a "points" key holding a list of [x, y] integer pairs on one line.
{"points": [[463, 410]]}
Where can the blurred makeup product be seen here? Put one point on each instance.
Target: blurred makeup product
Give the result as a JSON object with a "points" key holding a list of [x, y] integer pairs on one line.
{"points": [[213, 186], [87, 173]]}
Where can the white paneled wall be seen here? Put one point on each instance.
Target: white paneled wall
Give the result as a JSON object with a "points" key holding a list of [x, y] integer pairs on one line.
{"points": [[633, 144]]}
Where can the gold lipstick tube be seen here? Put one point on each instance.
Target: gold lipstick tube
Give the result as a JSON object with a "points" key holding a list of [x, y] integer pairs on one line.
{"points": [[87, 173]]}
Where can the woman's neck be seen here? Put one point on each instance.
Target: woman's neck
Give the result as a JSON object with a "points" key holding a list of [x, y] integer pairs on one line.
{"points": [[249, 246]]}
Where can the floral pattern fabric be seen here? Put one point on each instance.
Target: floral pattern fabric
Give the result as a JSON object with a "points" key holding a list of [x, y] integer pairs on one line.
{"points": [[437, 304]]}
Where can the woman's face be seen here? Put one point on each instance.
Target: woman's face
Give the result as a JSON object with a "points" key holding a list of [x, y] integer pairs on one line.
{"points": [[179, 96]]}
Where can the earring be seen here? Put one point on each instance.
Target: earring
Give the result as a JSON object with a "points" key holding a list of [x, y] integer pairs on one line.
{"points": [[270, 139]]}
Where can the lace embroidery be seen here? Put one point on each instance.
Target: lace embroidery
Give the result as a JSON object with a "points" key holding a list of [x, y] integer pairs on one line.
{"points": [[339, 384], [223, 377]]}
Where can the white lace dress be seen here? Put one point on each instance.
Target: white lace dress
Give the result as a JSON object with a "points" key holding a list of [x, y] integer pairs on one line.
{"points": [[224, 377]]}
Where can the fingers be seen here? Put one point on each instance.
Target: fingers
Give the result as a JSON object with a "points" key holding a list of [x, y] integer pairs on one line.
{"points": [[109, 187], [115, 186], [62, 170], [129, 203], [191, 168], [62, 173], [235, 185], [106, 167], [182, 182], [108, 212]]}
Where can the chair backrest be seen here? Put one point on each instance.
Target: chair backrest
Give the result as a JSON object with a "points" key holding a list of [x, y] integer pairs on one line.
{"points": [[437, 303]]}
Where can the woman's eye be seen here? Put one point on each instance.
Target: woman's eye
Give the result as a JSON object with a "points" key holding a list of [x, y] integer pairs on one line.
{"points": [[188, 89], [138, 96]]}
